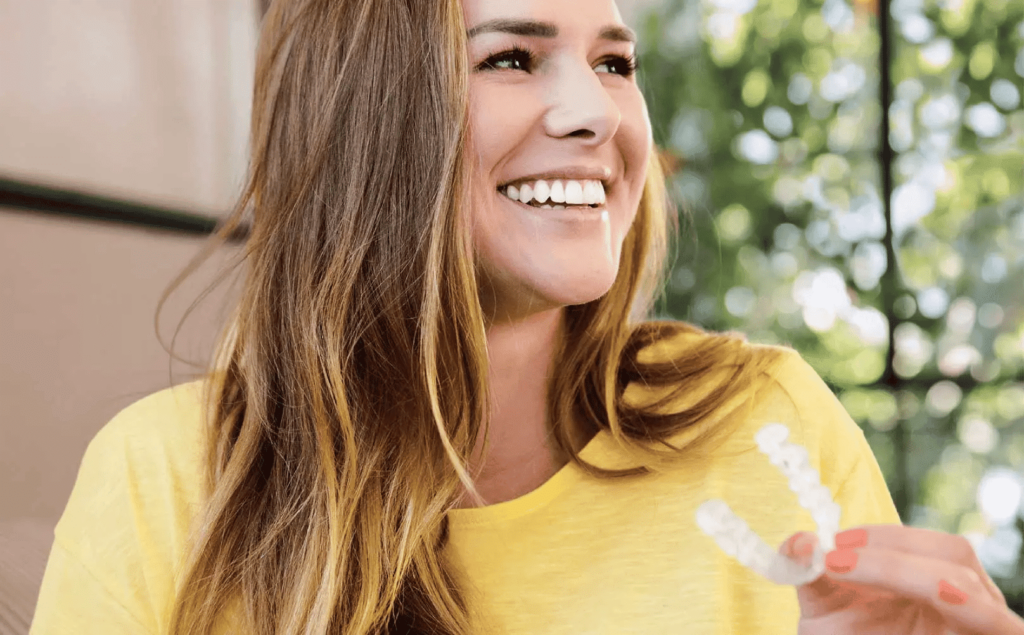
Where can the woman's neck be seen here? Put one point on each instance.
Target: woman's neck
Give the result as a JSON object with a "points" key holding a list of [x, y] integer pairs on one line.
{"points": [[522, 453]]}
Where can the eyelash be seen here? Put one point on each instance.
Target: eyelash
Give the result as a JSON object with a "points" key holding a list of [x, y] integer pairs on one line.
{"points": [[519, 52]]}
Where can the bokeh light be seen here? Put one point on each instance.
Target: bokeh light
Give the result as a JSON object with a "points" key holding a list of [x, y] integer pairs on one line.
{"points": [[773, 111]]}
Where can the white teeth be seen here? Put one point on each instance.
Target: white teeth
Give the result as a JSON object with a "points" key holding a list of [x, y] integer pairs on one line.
{"points": [[542, 191], [736, 538], [565, 192], [526, 194], [573, 193], [557, 192]]}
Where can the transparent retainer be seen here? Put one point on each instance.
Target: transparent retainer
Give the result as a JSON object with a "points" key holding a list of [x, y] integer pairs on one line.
{"points": [[734, 536]]}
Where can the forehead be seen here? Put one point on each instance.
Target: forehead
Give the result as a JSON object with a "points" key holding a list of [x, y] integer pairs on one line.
{"points": [[581, 15]]}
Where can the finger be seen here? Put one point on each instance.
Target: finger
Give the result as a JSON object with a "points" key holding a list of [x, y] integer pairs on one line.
{"points": [[922, 542], [796, 547], [954, 590], [823, 595]]}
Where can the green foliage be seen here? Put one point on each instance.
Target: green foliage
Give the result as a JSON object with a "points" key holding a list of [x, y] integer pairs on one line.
{"points": [[773, 112]]}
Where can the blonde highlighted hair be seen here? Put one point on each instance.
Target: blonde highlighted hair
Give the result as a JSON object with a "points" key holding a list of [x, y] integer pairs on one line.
{"points": [[350, 387]]}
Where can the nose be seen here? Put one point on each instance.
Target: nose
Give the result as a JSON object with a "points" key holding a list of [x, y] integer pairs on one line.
{"points": [[579, 105]]}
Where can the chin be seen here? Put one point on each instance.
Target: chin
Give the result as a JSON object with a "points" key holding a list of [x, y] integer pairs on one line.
{"points": [[528, 285], [574, 291]]}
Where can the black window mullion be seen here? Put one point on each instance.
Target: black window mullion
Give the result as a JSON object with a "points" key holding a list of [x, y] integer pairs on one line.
{"points": [[17, 195]]}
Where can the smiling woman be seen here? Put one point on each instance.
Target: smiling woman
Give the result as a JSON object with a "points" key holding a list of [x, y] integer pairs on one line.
{"points": [[555, 110], [439, 406]]}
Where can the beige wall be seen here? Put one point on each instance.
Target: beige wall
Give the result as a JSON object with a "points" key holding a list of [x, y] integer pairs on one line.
{"points": [[78, 343], [138, 99]]}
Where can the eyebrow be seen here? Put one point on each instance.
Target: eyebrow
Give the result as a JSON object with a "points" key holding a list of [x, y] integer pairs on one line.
{"points": [[532, 28]]}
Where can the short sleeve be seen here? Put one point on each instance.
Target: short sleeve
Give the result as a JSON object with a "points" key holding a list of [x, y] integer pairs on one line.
{"points": [[864, 497], [124, 530], [73, 601]]}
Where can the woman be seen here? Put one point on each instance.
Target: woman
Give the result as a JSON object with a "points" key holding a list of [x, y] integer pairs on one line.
{"points": [[433, 412]]}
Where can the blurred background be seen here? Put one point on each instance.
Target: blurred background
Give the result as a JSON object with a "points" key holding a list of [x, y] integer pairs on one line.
{"points": [[896, 269]]}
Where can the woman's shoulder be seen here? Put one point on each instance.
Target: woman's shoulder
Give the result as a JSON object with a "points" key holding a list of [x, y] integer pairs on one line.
{"points": [[695, 363], [674, 341], [138, 490], [155, 443], [791, 392], [140, 479], [785, 389], [164, 426], [662, 340]]}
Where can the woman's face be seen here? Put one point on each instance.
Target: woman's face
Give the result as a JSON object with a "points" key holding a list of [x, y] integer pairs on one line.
{"points": [[555, 113]]}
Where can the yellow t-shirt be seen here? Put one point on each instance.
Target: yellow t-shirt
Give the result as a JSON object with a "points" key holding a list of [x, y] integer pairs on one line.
{"points": [[578, 555]]}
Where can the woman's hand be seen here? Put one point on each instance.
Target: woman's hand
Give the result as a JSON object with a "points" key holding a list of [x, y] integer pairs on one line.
{"points": [[893, 579]]}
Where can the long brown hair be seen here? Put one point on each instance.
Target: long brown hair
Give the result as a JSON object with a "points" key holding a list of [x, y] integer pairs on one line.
{"points": [[349, 388]]}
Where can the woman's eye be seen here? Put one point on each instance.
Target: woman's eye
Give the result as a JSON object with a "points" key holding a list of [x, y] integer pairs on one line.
{"points": [[520, 59], [624, 66], [516, 59]]}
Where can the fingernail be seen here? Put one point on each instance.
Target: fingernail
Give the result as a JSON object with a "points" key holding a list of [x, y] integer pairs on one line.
{"points": [[841, 561], [805, 546], [851, 539], [951, 594]]}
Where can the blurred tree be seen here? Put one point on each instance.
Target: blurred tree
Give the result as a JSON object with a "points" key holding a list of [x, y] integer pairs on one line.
{"points": [[773, 114]]}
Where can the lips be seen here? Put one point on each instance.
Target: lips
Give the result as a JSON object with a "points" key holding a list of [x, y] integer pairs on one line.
{"points": [[567, 173]]}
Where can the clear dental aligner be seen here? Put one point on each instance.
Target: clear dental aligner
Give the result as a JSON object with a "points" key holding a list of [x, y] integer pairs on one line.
{"points": [[736, 538]]}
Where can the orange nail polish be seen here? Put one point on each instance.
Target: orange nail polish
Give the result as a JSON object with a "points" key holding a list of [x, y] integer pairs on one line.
{"points": [[852, 538], [951, 594], [841, 561]]}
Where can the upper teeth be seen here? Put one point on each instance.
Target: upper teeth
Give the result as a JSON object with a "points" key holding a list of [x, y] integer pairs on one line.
{"points": [[563, 192]]}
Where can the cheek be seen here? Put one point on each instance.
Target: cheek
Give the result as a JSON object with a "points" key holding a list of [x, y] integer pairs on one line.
{"points": [[498, 122], [636, 143], [636, 127]]}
